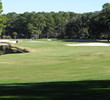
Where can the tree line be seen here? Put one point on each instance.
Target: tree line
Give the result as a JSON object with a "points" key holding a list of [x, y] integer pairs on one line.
{"points": [[69, 25]]}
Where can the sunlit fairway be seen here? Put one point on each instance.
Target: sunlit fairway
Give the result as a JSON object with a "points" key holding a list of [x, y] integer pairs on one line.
{"points": [[53, 61]]}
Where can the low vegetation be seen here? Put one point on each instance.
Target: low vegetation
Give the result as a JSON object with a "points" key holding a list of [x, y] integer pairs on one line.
{"points": [[51, 68], [53, 59]]}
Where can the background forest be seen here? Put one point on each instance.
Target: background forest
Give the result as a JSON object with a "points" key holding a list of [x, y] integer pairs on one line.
{"points": [[69, 25]]}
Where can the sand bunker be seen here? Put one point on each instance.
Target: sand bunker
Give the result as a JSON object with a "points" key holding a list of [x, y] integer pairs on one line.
{"points": [[8, 41], [89, 44]]}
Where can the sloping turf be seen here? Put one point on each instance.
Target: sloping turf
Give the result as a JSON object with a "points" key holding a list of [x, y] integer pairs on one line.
{"points": [[57, 68]]}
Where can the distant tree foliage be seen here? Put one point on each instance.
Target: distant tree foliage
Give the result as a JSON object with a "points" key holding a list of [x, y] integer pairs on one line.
{"points": [[3, 20], [93, 25]]}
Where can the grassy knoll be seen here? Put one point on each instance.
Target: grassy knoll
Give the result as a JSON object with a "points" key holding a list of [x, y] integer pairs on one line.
{"points": [[54, 71]]}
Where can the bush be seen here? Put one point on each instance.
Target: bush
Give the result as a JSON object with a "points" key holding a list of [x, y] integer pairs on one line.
{"points": [[8, 37]]}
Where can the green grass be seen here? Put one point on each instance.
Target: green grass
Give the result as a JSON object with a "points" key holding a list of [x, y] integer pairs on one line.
{"points": [[52, 61]]}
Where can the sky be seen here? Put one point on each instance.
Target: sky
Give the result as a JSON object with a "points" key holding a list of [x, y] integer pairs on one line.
{"points": [[77, 6]]}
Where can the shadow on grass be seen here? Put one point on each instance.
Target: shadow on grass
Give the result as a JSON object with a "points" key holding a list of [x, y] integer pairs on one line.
{"points": [[76, 90]]}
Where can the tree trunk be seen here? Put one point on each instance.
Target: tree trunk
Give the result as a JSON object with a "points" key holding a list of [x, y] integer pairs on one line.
{"points": [[108, 36]]}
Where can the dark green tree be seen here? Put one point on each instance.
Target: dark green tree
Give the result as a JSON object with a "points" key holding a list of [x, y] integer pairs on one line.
{"points": [[105, 18], [15, 35], [3, 20]]}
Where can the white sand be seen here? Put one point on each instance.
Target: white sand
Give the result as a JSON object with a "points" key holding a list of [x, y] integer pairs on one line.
{"points": [[8, 41], [89, 44]]}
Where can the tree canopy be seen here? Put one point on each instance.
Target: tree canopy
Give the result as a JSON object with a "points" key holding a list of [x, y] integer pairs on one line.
{"points": [[92, 25], [3, 20]]}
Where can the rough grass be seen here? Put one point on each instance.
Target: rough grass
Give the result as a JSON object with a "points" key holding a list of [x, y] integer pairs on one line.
{"points": [[52, 61]]}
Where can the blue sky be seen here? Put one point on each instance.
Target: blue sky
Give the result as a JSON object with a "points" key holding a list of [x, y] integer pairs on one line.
{"points": [[78, 6]]}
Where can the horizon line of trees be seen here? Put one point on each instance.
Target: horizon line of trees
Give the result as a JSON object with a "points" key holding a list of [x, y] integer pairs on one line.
{"points": [[65, 25]]}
